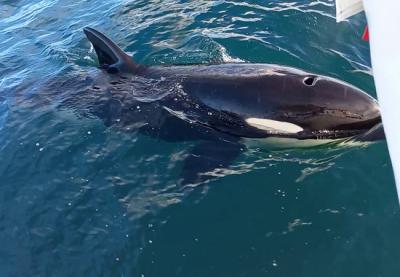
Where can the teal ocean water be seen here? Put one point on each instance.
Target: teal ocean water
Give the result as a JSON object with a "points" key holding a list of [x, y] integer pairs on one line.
{"points": [[78, 198]]}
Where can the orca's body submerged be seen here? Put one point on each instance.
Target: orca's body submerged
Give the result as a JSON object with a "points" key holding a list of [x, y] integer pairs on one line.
{"points": [[221, 105]]}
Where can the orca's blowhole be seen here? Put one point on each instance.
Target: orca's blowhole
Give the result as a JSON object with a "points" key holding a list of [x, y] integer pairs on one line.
{"points": [[309, 81]]}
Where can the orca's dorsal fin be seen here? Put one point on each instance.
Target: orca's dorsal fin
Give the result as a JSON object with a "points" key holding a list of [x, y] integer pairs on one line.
{"points": [[110, 56]]}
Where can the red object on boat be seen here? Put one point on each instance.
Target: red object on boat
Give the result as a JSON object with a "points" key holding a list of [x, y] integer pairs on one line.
{"points": [[365, 35]]}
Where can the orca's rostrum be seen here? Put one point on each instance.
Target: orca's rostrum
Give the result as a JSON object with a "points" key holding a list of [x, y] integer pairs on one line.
{"points": [[223, 105]]}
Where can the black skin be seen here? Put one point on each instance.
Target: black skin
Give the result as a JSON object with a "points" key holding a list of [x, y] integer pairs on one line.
{"points": [[210, 104], [324, 108]]}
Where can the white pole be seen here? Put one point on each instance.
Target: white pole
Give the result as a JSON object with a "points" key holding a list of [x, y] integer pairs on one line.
{"points": [[384, 35]]}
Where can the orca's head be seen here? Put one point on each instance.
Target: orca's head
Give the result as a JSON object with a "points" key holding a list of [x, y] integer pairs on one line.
{"points": [[282, 101], [326, 107]]}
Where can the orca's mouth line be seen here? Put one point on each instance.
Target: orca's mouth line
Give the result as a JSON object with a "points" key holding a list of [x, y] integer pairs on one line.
{"points": [[338, 134], [329, 134], [319, 111]]}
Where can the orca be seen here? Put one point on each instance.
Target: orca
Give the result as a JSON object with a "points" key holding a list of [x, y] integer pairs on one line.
{"points": [[223, 106]]}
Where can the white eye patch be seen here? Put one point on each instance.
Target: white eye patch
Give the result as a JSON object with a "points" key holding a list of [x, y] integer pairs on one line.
{"points": [[274, 125]]}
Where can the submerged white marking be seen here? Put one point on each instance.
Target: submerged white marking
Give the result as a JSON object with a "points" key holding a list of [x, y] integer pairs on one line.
{"points": [[276, 143], [274, 125], [285, 143]]}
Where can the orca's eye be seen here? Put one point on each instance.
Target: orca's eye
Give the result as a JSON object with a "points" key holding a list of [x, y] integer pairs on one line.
{"points": [[309, 81]]}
